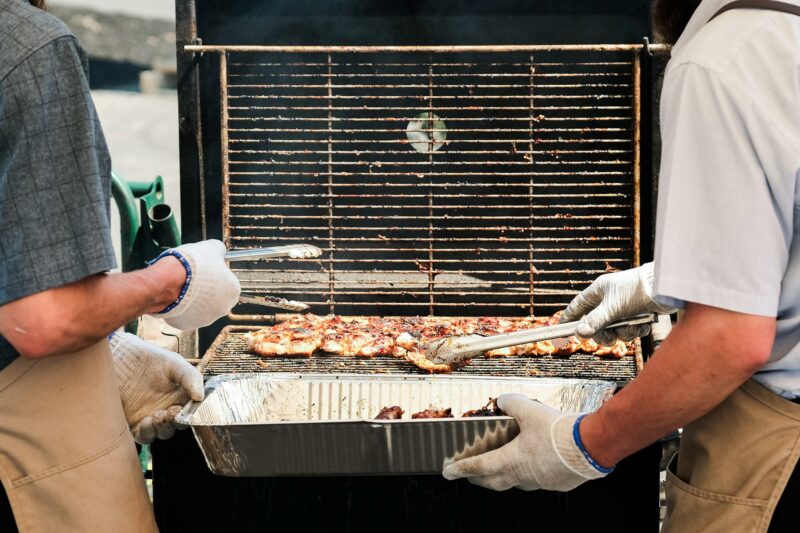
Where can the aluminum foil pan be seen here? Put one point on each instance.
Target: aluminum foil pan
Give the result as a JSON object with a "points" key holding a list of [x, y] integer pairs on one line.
{"points": [[321, 424]]}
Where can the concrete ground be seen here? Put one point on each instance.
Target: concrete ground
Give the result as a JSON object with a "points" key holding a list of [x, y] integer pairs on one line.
{"points": [[142, 134]]}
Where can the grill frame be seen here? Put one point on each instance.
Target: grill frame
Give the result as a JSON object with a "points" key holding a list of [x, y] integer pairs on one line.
{"points": [[505, 285]]}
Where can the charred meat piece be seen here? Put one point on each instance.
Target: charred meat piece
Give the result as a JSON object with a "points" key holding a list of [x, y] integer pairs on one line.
{"points": [[418, 359], [572, 345], [390, 413], [434, 413], [589, 346], [553, 319], [293, 338], [357, 337], [545, 348], [490, 409], [412, 349], [617, 350], [502, 352]]}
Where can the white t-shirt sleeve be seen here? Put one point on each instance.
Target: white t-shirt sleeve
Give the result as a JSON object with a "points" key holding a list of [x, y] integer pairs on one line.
{"points": [[725, 205]]}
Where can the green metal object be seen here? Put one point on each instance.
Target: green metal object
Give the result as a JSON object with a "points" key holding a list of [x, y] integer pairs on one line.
{"points": [[144, 458], [148, 227]]}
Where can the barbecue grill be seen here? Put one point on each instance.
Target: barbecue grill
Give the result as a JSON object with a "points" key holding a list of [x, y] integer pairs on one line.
{"points": [[530, 191], [443, 180]]}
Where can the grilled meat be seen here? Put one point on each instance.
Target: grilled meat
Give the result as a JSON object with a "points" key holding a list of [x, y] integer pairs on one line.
{"points": [[573, 345], [589, 346], [390, 413], [545, 348], [618, 350], [490, 409], [406, 338], [434, 413], [292, 338], [419, 360]]}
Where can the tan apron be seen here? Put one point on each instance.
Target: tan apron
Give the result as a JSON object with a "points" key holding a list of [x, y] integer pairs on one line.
{"points": [[733, 464], [67, 458]]}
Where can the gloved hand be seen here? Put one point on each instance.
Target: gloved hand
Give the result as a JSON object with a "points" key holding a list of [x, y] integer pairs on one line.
{"points": [[211, 289], [613, 297], [545, 454], [154, 384]]}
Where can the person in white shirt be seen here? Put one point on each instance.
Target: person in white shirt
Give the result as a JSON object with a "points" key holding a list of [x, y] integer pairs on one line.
{"points": [[728, 254]]}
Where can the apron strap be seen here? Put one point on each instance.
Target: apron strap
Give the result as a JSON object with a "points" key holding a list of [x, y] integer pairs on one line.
{"points": [[770, 5]]}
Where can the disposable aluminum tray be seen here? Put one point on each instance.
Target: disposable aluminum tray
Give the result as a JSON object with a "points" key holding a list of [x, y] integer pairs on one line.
{"points": [[315, 424]]}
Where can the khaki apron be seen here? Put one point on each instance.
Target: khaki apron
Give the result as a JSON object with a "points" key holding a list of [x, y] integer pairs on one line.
{"points": [[67, 458], [733, 464]]}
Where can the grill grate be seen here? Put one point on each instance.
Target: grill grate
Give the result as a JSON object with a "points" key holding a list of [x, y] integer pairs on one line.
{"points": [[475, 181], [229, 354]]}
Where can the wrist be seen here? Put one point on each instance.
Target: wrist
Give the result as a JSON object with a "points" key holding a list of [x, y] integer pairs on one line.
{"points": [[596, 441], [170, 279]]}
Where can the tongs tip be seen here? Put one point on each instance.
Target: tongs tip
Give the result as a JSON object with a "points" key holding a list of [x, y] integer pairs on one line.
{"points": [[304, 251], [450, 350]]}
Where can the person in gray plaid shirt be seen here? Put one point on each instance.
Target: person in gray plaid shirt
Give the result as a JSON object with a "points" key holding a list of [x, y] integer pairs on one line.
{"points": [[73, 394]]}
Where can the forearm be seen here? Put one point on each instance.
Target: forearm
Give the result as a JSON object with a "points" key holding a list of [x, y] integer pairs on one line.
{"points": [[74, 316], [699, 365]]}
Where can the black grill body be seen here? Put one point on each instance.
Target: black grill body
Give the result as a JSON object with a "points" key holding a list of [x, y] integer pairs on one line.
{"points": [[187, 496]]}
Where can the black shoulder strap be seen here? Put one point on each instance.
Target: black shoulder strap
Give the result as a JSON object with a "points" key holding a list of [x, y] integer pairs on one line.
{"points": [[770, 5]]}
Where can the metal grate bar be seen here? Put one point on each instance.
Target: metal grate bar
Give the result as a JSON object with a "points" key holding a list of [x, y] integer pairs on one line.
{"points": [[413, 49], [549, 185], [331, 232]]}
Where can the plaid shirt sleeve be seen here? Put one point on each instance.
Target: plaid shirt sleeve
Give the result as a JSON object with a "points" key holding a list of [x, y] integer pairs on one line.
{"points": [[55, 175]]}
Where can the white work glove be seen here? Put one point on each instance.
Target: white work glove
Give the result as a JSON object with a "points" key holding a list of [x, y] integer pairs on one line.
{"points": [[613, 297], [211, 289], [544, 455], [154, 384]]}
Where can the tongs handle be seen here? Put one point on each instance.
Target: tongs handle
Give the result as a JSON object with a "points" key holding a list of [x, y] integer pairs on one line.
{"points": [[293, 251], [547, 333]]}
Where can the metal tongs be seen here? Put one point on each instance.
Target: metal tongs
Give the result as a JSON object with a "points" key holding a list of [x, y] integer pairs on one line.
{"points": [[292, 251], [455, 350]]}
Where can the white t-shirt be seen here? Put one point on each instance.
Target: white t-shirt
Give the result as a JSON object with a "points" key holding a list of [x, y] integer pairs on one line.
{"points": [[727, 228]]}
